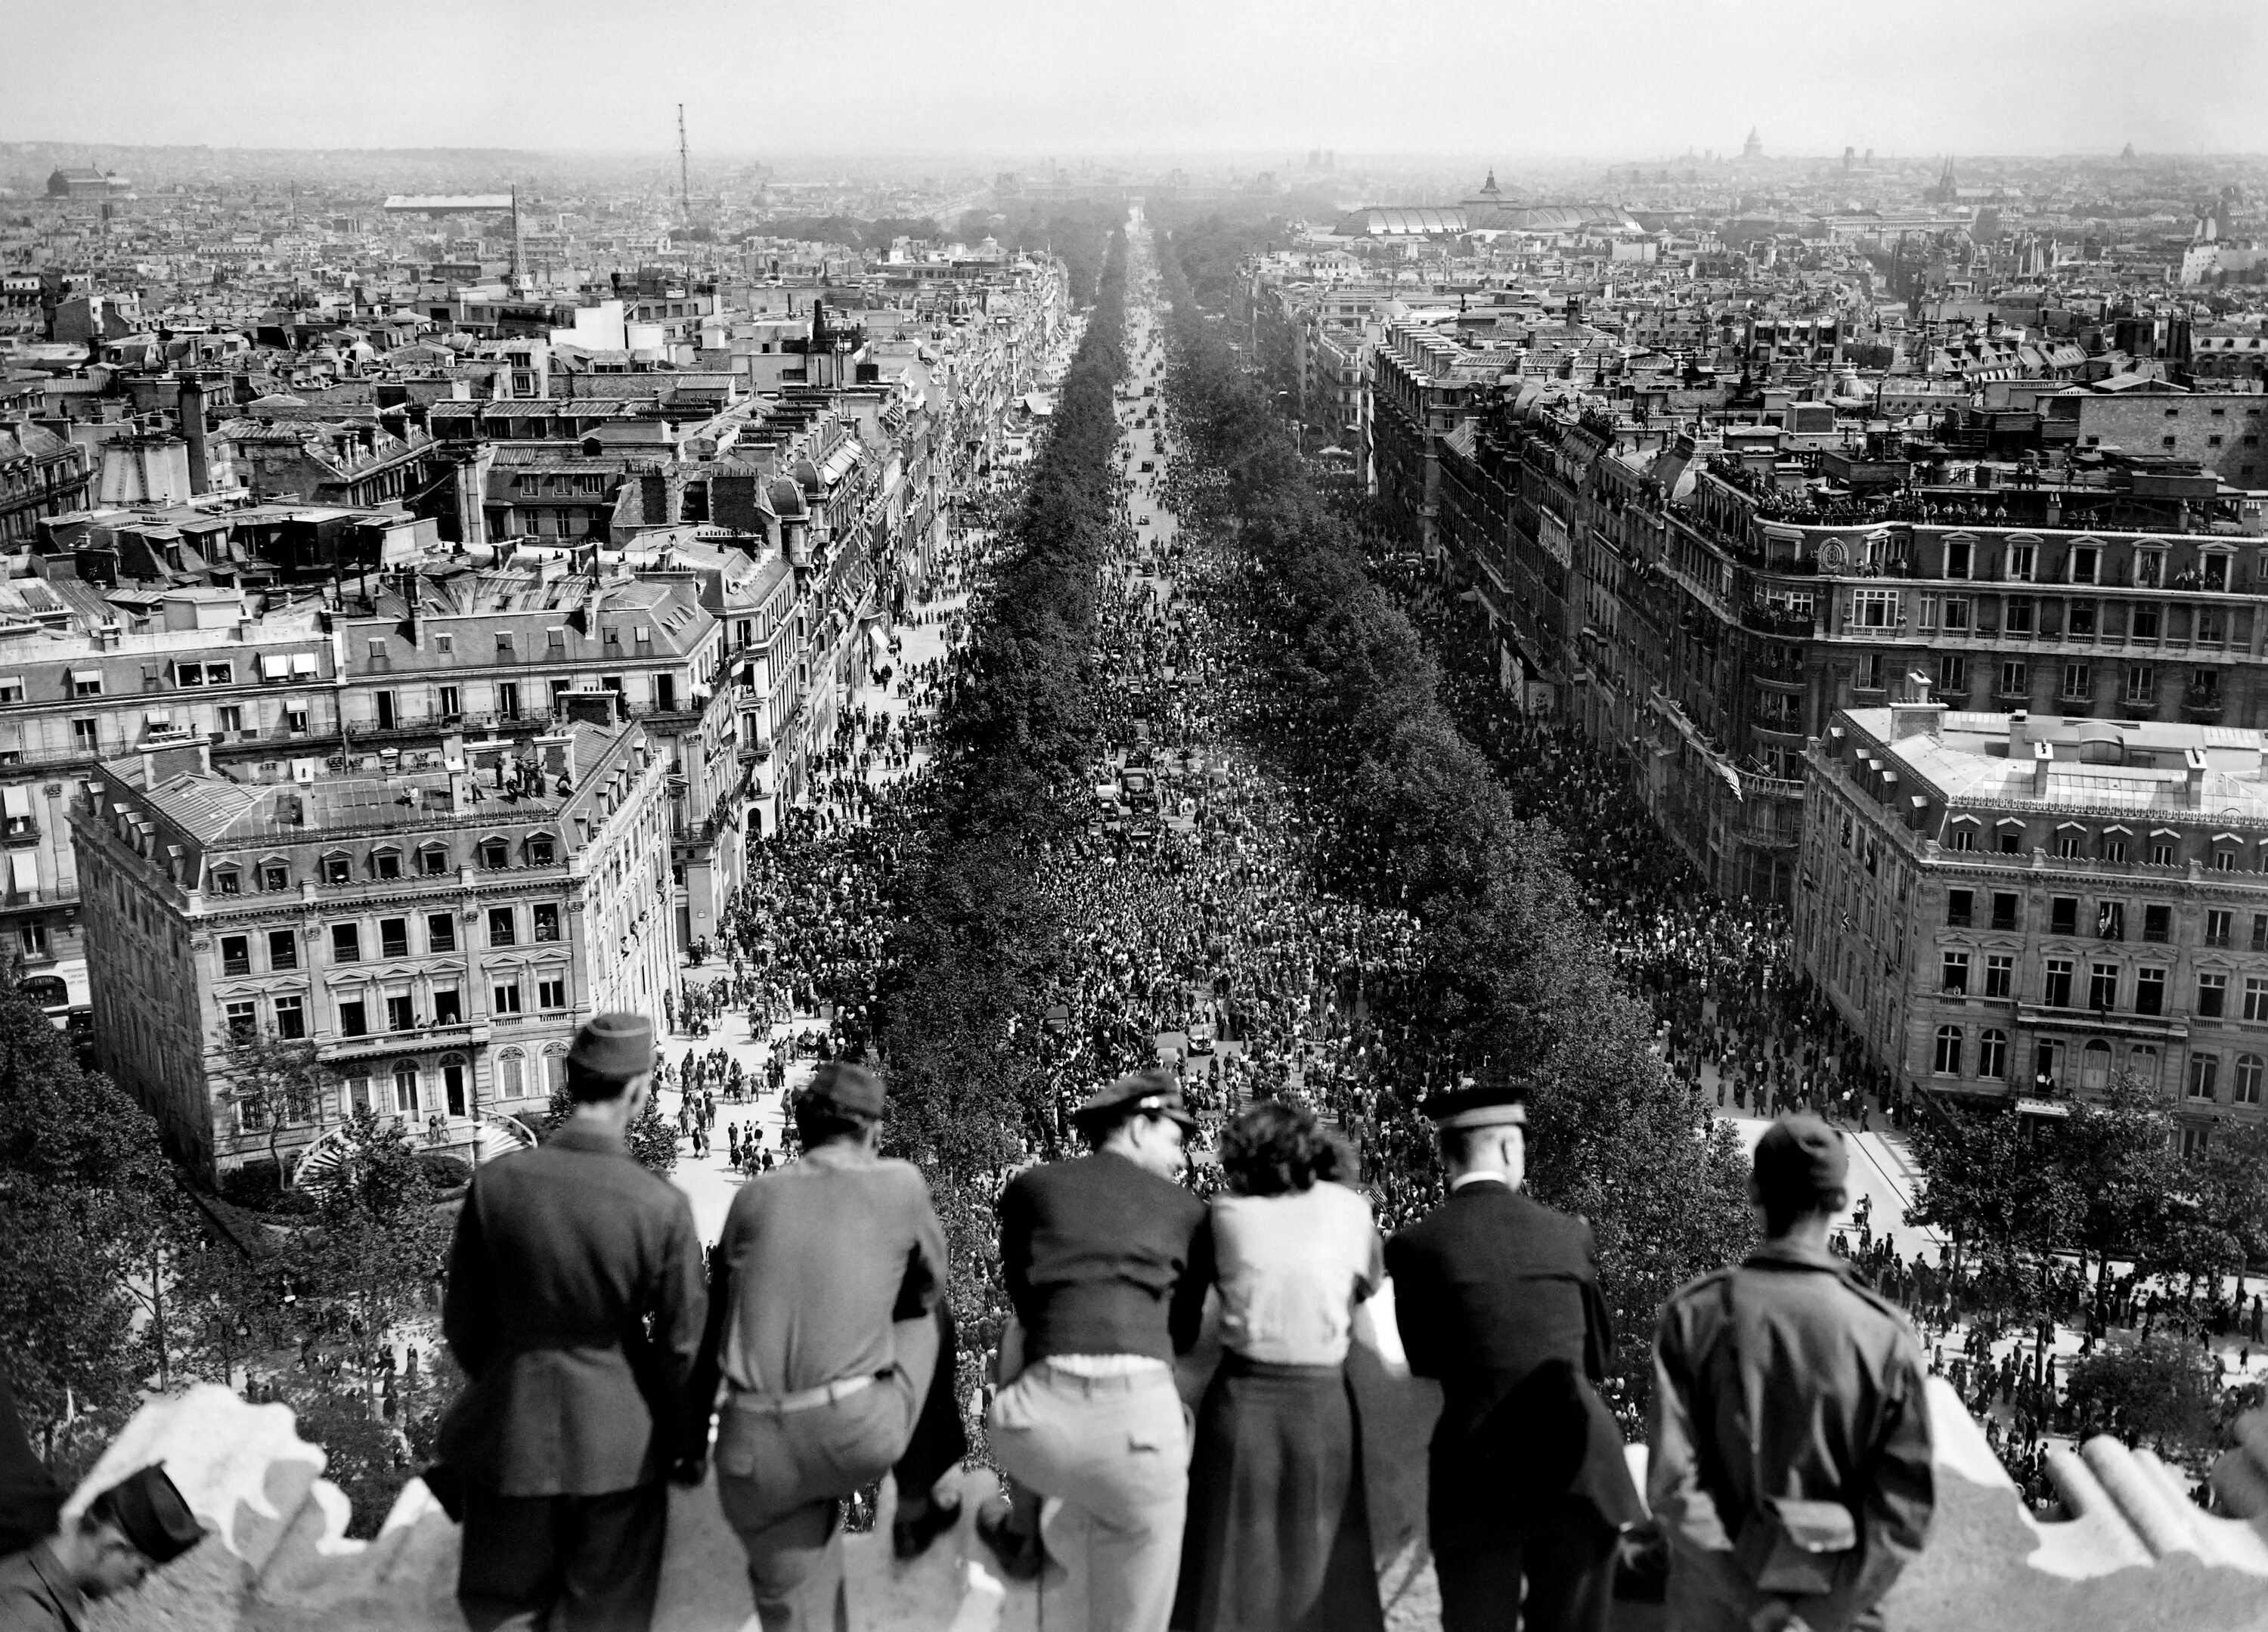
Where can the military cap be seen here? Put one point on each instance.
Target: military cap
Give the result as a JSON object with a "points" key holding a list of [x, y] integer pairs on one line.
{"points": [[847, 1087], [1800, 1161], [618, 1045], [1138, 1093], [148, 1510], [1475, 1104]]}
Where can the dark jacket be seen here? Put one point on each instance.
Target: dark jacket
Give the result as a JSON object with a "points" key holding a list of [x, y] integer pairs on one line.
{"points": [[30, 1498], [575, 1303], [1496, 1297], [1103, 1257], [35, 1595], [1837, 1387]]}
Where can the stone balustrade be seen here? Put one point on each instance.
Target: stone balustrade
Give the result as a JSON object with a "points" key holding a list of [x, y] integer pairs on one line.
{"points": [[2138, 1555]]}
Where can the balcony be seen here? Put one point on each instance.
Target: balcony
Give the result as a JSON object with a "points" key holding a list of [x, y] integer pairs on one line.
{"points": [[2202, 708]]}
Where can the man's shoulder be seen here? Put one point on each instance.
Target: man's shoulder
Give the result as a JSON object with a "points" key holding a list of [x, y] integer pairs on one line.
{"points": [[556, 1166], [1702, 1291]]}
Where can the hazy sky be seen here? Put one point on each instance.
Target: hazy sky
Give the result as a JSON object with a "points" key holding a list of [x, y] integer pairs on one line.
{"points": [[1502, 78]]}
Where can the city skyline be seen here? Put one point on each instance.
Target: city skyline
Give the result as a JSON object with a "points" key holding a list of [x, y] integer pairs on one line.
{"points": [[1006, 77]]}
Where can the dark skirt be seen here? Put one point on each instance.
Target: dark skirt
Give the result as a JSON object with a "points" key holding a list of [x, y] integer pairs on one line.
{"points": [[1279, 1534]]}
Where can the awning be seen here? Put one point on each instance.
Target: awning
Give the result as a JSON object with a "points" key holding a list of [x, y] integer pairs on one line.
{"points": [[86, 677], [12, 682], [303, 663], [879, 641], [274, 665], [17, 802], [24, 873]]}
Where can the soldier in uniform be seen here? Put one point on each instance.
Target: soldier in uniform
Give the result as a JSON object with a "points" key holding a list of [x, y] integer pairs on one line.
{"points": [[136, 1525], [1791, 1465], [1496, 1297], [575, 1305]]}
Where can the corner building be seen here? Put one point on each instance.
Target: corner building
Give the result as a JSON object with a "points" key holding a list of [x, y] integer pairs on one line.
{"points": [[2012, 906], [438, 936]]}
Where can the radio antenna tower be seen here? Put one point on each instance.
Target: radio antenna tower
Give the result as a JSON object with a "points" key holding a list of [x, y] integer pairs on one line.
{"points": [[684, 183]]}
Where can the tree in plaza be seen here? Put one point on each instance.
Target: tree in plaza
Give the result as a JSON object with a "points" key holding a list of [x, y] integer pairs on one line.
{"points": [[2160, 1389], [2118, 1153], [651, 1139], [275, 1082], [84, 1189], [1994, 1188], [2232, 1186]]}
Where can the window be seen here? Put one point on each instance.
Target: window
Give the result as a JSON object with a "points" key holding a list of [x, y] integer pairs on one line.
{"points": [[502, 928], [2245, 1089], [2047, 1065], [220, 674], [2004, 910], [2016, 678], [290, 1017], [338, 869], [2211, 995], [2204, 1067], [2113, 850], [555, 1069], [540, 850], [354, 1020], [505, 998], [503, 647], [388, 863], [2141, 684], [2142, 1060], [2162, 852], [512, 1074], [401, 1011], [2255, 998], [2217, 926], [226, 882], [495, 854], [282, 949], [2075, 681], [85, 737], [440, 932], [235, 954], [243, 1019], [393, 937], [448, 1007], [229, 720], [1948, 1051], [451, 707], [2149, 991], [2071, 844], [2215, 563], [2195, 1141], [1961, 838], [2103, 987], [274, 876], [87, 683], [445, 644], [346, 943], [2023, 561], [551, 993], [508, 698], [433, 861], [2149, 568], [2260, 932], [2063, 915], [1999, 974], [2079, 624], [1958, 907], [11, 689], [1956, 557], [2142, 623], [547, 921], [1952, 674], [1874, 609], [2058, 993], [1992, 1055], [2224, 859], [405, 1087], [1953, 973], [1870, 672], [295, 721]]}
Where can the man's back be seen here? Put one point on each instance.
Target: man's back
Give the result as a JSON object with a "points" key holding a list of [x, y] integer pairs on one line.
{"points": [[1834, 1381], [825, 1254], [1487, 1287], [1103, 1257], [575, 1301]]}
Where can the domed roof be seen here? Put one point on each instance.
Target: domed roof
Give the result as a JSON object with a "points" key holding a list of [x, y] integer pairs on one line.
{"points": [[787, 500], [806, 473]]}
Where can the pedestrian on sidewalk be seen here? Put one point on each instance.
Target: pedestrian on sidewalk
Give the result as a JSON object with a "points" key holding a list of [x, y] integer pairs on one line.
{"points": [[830, 1335]]}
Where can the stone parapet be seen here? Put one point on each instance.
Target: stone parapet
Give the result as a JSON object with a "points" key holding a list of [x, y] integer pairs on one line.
{"points": [[2138, 1555]]}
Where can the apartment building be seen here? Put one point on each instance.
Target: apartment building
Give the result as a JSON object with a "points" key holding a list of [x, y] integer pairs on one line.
{"points": [[436, 934], [2008, 906]]}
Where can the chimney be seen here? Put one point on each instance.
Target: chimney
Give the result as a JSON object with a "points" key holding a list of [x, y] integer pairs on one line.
{"points": [[2193, 769], [192, 429], [595, 708], [2042, 760], [182, 758], [411, 610], [2019, 733], [1916, 716]]}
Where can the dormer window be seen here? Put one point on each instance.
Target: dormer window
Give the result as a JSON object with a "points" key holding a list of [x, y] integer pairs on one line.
{"points": [[540, 850], [220, 674], [386, 863], [338, 868], [275, 875], [2214, 565], [495, 854], [226, 881], [432, 861], [2085, 561]]}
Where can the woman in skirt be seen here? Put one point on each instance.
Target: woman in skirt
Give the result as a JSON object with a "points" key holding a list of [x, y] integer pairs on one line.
{"points": [[1278, 1536]]}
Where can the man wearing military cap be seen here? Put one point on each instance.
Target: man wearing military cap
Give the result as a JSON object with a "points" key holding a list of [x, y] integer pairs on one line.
{"points": [[137, 1525], [1498, 1299], [829, 1335], [575, 1305], [1106, 1261], [1791, 1461]]}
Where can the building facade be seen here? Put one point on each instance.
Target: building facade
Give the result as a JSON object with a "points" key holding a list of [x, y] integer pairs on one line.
{"points": [[435, 935], [2016, 907]]}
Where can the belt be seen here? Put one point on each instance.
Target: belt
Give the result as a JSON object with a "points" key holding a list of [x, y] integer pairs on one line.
{"points": [[808, 1399]]}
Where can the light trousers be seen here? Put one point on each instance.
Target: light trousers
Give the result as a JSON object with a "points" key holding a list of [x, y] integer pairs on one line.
{"points": [[1113, 1454]]}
